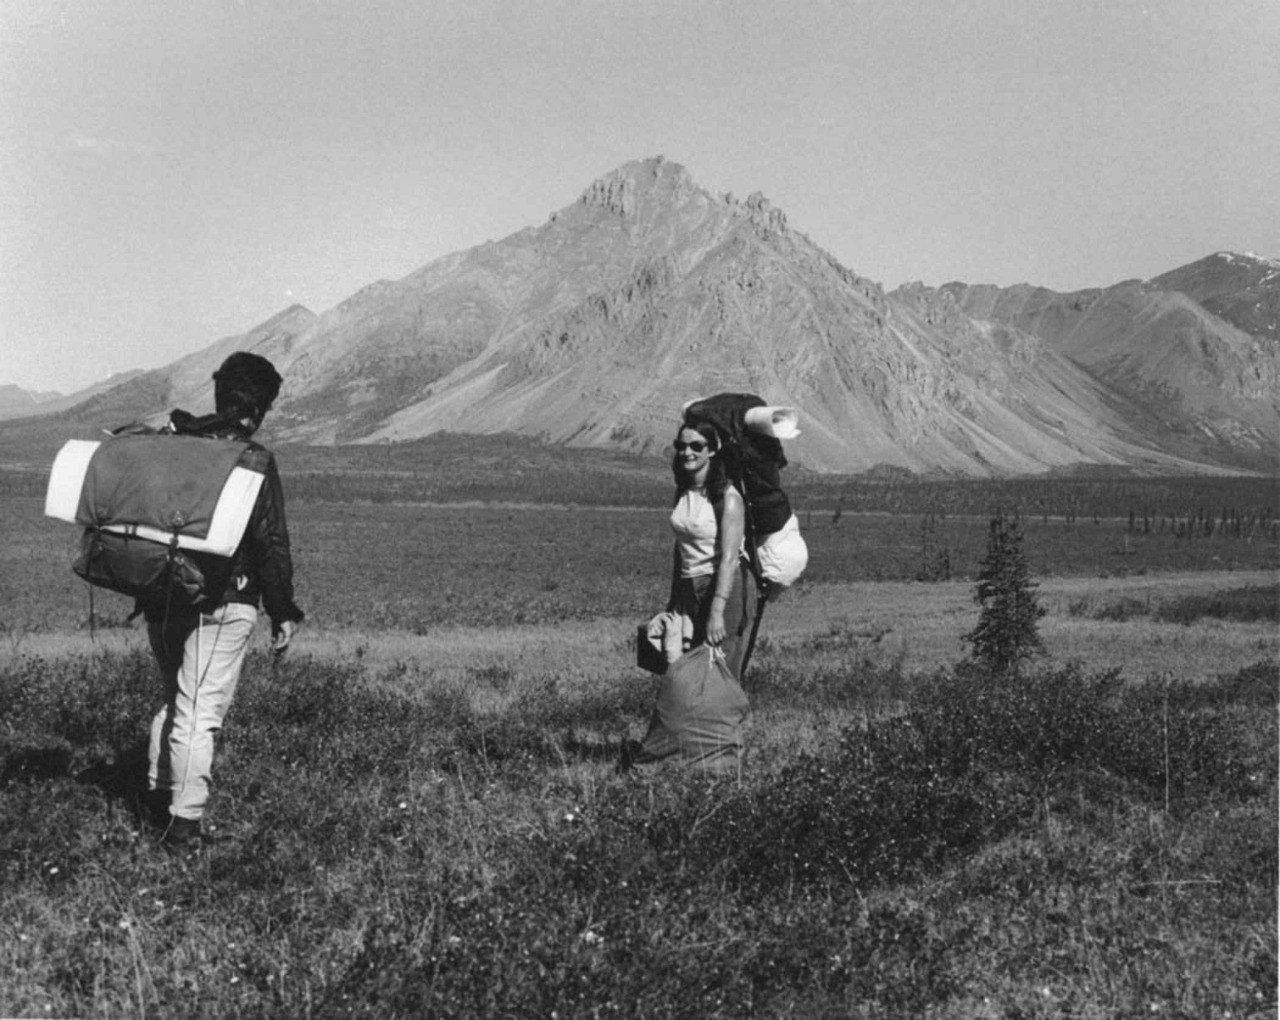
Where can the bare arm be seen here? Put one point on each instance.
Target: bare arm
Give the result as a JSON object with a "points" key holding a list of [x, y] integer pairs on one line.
{"points": [[672, 597]]}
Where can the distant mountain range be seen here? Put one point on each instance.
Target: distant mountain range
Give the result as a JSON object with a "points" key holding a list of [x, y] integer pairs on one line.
{"points": [[593, 328], [16, 402], [1195, 349]]}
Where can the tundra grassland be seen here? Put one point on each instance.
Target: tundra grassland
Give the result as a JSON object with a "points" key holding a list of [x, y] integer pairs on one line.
{"points": [[419, 810]]}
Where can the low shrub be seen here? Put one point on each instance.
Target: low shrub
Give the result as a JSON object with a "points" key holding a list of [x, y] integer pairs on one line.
{"points": [[92, 703], [968, 762], [1123, 609], [1256, 684], [392, 853], [1167, 735], [1251, 604]]}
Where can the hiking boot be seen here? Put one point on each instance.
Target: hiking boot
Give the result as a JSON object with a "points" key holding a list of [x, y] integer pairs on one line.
{"points": [[630, 754], [155, 809], [183, 835]]}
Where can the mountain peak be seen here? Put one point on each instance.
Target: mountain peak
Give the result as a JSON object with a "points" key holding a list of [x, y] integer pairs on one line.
{"points": [[1225, 272], [656, 183], [1232, 257], [643, 180]]}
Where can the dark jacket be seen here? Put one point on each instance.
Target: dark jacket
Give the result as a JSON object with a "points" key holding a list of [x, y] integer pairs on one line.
{"points": [[260, 572]]}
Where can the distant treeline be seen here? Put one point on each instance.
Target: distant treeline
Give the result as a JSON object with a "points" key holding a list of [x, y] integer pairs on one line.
{"points": [[535, 486], [1145, 501], [511, 469]]}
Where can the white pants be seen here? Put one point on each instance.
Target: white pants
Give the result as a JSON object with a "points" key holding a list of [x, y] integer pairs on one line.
{"points": [[200, 660]]}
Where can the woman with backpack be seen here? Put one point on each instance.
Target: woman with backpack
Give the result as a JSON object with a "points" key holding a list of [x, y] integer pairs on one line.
{"points": [[711, 583], [709, 627]]}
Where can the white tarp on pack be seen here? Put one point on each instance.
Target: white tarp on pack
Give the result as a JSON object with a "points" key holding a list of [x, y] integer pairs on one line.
{"points": [[229, 520]]}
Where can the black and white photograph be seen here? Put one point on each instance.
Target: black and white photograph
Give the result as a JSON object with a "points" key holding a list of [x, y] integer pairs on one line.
{"points": [[581, 509]]}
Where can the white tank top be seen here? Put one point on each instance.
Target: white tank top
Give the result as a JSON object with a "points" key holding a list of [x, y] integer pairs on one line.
{"points": [[693, 519]]}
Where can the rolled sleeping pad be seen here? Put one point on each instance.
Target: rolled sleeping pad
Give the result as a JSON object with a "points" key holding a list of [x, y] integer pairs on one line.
{"points": [[775, 420]]}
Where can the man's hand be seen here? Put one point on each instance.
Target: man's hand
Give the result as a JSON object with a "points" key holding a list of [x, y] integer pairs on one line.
{"points": [[282, 635]]}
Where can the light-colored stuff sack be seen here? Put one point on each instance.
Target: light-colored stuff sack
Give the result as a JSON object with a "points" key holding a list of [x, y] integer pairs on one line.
{"points": [[699, 714], [783, 555]]}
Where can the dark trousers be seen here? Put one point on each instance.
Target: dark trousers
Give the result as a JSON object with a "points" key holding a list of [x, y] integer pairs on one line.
{"points": [[740, 613]]}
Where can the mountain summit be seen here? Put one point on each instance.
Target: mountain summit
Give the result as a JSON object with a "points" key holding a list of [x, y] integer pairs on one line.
{"points": [[593, 328]]}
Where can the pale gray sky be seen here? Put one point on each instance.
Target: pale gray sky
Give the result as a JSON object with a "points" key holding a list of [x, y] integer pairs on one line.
{"points": [[172, 173]]}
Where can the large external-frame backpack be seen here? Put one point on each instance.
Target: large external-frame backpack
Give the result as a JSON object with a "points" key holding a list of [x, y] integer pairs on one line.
{"points": [[749, 431], [151, 504]]}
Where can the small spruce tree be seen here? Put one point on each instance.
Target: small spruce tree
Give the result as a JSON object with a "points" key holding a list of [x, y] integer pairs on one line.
{"points": [[1008, 632]]}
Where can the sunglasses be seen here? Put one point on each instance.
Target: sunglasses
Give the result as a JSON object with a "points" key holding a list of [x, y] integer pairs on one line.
{"points": [[697, 446]]}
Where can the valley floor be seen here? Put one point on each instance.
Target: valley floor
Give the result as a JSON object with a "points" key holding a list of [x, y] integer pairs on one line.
{"points": [[434, 823], [919, 626]]}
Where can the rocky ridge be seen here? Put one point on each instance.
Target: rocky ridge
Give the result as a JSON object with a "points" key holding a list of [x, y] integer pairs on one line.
{"points": [[593, 328], [1195, 350]]}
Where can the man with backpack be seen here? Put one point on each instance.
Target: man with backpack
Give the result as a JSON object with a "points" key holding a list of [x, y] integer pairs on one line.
{"points": [[201, 651]]}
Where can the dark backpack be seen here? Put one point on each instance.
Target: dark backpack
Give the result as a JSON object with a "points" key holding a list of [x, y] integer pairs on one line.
{"points": [[152, 504], [753, 461]]}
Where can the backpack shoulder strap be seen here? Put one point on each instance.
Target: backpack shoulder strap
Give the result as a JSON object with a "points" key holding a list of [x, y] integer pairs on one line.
{"points": [[749, 540]]}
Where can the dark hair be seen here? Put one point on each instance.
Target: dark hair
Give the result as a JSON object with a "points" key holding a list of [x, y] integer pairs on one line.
{"points": [[717, 479], [245, 386]]}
